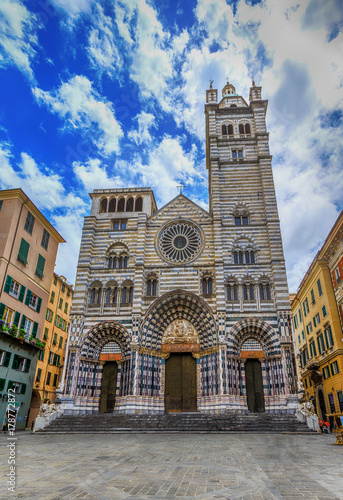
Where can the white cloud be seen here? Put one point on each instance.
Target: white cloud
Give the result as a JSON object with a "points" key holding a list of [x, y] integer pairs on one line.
{"points": [[93, 176], [74, 7], [18, 39], [81, 107], [145, 122], [102, 49]]}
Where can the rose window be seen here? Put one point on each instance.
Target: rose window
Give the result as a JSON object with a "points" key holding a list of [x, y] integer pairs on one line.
{"points": [[180, 242]]}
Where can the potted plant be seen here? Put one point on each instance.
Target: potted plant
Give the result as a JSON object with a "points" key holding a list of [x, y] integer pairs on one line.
{"points": [[13, 330]]}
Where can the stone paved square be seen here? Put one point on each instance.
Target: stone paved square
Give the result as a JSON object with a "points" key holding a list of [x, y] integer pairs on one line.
{"points": [[181, 466]]}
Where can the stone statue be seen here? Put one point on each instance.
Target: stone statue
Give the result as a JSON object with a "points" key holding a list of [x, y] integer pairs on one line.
{"points": [[308, 408], [46, 410]]}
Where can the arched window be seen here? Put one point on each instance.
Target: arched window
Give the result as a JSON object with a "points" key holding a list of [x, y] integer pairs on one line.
{"points": [[103, 205], [112, 205], [247, 129], [121, 205], [125, 261], [241, 128], [232, 292], [108, 296], [230, 130], [121, 262], [131, 295], [139, 204], [265, 292], [151, 287], [129, 205], [224, 130], [115, 295], [92, 298], [207, 285], [247, 257], [248, 292], [124, 295], [98, 296], [127, 294]]}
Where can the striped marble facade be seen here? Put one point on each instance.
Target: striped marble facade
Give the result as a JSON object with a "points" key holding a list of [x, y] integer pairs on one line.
{"points": [[241, 254]]}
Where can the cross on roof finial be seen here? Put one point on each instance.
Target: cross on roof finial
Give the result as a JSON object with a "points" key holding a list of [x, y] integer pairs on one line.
{"points": [[227, 80], [211, 81], [181, 186]]}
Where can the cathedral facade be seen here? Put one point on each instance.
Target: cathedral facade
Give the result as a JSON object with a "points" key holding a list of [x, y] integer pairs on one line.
{"points": [[183, 309]]}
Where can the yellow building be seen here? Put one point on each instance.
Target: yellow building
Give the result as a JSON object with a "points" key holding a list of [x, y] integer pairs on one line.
{"points": [[55, 335], [318, 333]]}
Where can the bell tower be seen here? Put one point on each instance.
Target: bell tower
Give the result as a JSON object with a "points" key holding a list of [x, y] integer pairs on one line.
{"points": [[248, 245]]}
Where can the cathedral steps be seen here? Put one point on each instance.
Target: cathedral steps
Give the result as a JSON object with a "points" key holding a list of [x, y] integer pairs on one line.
{"points": [[176, 422]]}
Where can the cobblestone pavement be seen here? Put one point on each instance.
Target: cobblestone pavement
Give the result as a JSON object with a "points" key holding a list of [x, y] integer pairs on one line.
{"points": [[166, 466]]}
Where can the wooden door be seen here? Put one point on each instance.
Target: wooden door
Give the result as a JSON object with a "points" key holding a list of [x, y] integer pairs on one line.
{"points": [[108, 387], [180, 383], [254, 386]]}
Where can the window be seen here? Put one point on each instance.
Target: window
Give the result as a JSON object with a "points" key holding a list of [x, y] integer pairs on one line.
{"points": [[121, 205], [14, 289], [45, 239], [303, 334], [312, 297], [265, 293], [299, 340], [18, 387], [320, 343], [227, 129], [55, 339], [319, 286], [244, 129], [63, 288], [55, 380], [32, 300], [305, 381], [48, 378], [334, 368], [241, 220], [51, 357], [232, 292], [49, 315], [295, 322], [331, 403], [328, 337], [112, 205], [324, 311], [139, 204], [55, 280], [340, 400], [129, 205], [247, 257], [52, 297], [60, 344], [300, 316], [56, 360], [248, 292], [41, 355], [40, 266], [316, 319], [23, 251], [28, 326], [337, 275], [119, 224], [20, 363], [305, 307], [5, 357], [29, 223], [68, 292], [207, 285], [123, 261], [66, 307], [60, 303], [127, 295], [8, 316], [103, 205], [309, 328], [313, 349], [237, 153], [39, 374], [151, 287]]}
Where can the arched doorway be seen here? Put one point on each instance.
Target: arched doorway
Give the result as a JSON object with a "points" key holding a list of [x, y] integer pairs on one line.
{"points": [[254, 385], [34, 407], [180, 383], [108, 387]]}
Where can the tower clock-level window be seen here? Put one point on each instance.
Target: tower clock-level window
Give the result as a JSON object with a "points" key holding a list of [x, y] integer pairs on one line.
{"points": [[246, 257], [241, 220], [119, 224], [227, 129]]}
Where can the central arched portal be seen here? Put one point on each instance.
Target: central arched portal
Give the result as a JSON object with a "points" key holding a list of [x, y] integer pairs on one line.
{"points": [[180, 383]]}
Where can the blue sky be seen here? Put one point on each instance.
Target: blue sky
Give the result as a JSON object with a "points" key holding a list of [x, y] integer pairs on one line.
{"points": [[111, 93]]}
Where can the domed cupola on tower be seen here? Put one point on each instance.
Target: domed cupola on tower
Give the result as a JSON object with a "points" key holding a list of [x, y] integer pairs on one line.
{"points": [[229, 89]]}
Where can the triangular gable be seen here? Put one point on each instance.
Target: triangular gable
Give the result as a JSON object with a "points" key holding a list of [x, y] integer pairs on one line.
{"points": [[180, 205]]}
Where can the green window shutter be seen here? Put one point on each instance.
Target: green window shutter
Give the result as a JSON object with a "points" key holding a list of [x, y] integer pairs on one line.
{"points": [[8, 284], [22, 293], [16, 318], [2, 384], [39, 303], [34, 329], [2, 309], [23, 251], [28, 297], [10, 384], [15, 363], [7, 359], [40, 266], [27, 365], [23, 319], [23, 389]]}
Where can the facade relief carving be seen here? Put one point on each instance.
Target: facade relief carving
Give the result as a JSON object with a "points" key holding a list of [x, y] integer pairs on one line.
{"points": [[180, 331]]}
